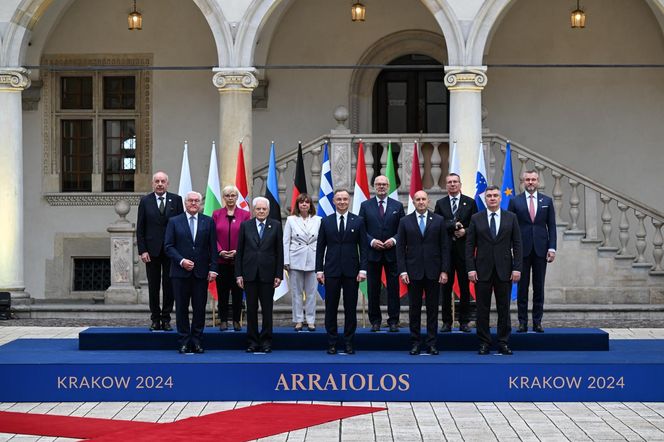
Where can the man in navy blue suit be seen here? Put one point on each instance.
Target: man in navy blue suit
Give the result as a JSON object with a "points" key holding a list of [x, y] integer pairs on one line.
{"points": [[537, 222], [154, 211], [191, 243], [423, 257], [341, 263], [381, 219]]}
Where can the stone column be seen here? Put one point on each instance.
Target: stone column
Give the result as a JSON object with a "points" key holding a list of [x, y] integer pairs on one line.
{"points": [[465, 85], [12, 82], [235, 86], [122, 289]]}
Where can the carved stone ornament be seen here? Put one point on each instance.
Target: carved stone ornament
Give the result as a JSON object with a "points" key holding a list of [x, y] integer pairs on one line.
{"points": [[235, 80], [465, 79], [121, 263], [91, 199], [15, 79]]}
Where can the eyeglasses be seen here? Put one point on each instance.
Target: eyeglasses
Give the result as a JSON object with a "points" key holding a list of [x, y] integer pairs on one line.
{"points": [[194, 201], [230, 195]]}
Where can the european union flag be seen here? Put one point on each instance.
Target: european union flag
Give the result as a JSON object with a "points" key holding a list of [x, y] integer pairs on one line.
{"points": [[507, 192]]}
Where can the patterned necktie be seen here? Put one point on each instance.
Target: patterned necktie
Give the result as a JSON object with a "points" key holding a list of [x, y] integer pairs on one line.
{"points": [[261, 226], [342, 226], [192, 227], [494, 232], [454, 206], [162, 206], [531, 208], [381, 208], [422, 225]]}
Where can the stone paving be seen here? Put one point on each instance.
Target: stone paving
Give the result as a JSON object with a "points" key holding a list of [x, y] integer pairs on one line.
{"points": [[416, 421]]}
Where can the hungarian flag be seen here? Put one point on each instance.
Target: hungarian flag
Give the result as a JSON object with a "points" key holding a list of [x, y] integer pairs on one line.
{"points": [[361, 193], [241, 181], [212, 200], [300, 183]]}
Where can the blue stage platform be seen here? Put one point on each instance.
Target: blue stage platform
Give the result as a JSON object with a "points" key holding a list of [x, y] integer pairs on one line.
{"points": [[50, 370], [554, 339]]}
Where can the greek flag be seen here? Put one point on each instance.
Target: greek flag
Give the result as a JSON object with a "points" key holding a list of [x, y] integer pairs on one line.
{"points": [[325, 194], [480, 180]]}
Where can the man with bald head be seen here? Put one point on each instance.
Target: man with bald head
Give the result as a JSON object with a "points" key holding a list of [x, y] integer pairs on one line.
{"points": [[191, 243], [154, 211]]}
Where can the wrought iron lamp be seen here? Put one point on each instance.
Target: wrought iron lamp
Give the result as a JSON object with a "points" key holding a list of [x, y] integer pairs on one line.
{"points": [[135, 20], [358, 11], [578, 17]]}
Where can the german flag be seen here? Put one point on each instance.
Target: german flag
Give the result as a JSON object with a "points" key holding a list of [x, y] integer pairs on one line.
{"points": [[300, 183]]}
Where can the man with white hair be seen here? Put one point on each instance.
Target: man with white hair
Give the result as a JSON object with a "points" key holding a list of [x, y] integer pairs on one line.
{"points": [[191, 243], [259, 267]]}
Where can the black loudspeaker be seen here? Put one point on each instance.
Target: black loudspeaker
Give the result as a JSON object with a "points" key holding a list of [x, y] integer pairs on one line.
{"points": [[5, 305]]}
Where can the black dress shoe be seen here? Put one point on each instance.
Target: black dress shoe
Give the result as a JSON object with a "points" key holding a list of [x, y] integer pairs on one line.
{"points": [[538, 328], [349, 349], [251, 349], [237, 326], [505, 350], [522, 328], [223, 326], [183, 349], [311, 328], [415, 350], [166, 326], [197, 349], [464, 328], [446, 328], [156, 325], [394, 328], [375, 327], [432, 350], [266, 349], [331, 350], [484, 349]]}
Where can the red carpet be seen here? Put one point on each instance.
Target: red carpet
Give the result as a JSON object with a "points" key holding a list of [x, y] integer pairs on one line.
{"points": [[234, 425]]}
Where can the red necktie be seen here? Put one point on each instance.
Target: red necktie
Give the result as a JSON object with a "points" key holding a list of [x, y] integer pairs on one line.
{"points": [[381, 208], [531, 208]]}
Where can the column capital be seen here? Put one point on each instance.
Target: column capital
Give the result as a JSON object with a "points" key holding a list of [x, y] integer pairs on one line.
{"points": [[235, 79], [14, 79], [465, 78]]}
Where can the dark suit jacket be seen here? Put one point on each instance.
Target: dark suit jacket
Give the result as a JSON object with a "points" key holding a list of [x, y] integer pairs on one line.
{"points": [[484, 254], [151, 225], [423, 256], [540, 235], [381, 228], [466, 208], [341, 255], [179, 245], [260, 259]]}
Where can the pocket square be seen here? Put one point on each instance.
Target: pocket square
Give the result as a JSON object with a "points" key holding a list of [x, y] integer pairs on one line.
{"points": [[544, 207]]}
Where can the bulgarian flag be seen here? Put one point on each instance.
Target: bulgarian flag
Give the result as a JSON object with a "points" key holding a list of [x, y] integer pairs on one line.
{"points": [[361, 193], [212, 200], [241, 181], [390, 173]]}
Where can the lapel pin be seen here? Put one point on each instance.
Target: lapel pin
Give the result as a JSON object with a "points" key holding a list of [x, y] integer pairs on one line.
{"points": [[352, 230], [269, 226], [464, 203]]}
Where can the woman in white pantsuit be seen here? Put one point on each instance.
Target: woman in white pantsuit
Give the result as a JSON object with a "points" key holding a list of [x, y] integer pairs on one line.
{"points": [[300, 237]]}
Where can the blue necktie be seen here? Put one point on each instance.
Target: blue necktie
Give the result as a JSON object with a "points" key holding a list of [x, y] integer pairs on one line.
{"points": [[494, 232], [192, 227], [261, 226], [454, 206], [422, 225]]}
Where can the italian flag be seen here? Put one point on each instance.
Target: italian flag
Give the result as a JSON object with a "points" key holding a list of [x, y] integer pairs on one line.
{"points": [[390, 173], [212, 200]]}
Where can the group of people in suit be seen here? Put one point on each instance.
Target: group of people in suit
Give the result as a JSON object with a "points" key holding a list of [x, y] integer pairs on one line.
{"points": [[425, 250]]}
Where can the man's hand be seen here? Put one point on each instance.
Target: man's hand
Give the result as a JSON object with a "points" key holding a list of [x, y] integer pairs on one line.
{"points": [[442, 278], [460, 233], [287, 267], [472, 276], [377, 244], [550, 256], [145, 257], [405, 279], [389, 243], [212, 276], [515, 276], [320, 277], [277, 281], [361, 277], [240, 282], [188, 265]]}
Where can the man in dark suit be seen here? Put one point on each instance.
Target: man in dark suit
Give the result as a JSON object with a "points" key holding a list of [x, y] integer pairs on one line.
{"points": [[381, 217], [154, 211], [493, 260], [537, 221], [341, 263], [191, 243], [456, 209], [259, 267], [423, 261]]}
